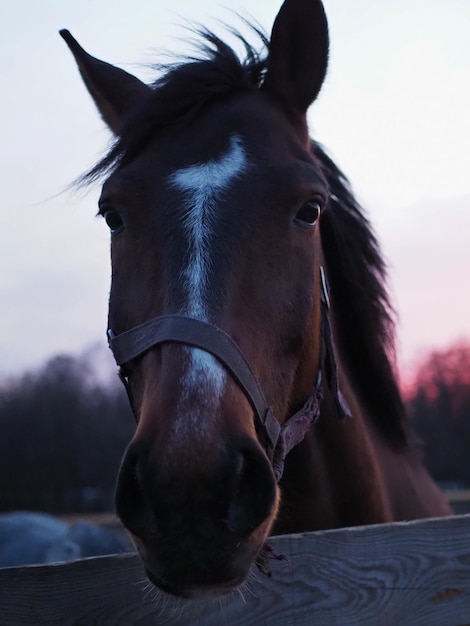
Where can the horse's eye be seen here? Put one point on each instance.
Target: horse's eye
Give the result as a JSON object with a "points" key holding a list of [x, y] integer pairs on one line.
{"points": [[113, 220], [308, 214]]}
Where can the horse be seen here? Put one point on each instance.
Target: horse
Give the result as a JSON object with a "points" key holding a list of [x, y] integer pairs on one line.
{"points": [[248, 313]]}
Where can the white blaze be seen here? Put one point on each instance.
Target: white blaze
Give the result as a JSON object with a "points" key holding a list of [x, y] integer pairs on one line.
{"points": [[203, 184]]}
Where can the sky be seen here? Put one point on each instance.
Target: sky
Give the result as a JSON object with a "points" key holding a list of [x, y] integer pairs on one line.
{"points": [[393, 113]]}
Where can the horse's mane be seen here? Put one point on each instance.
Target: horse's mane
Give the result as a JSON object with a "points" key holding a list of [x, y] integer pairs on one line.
{"points": [[357, 272], [363, 314]]}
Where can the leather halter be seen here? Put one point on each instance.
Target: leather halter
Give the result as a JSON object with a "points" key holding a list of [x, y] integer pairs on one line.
{"points": [[278, 440]]}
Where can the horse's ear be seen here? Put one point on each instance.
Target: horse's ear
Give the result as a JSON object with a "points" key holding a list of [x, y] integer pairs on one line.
{"points": [[114, 91], [298, 54]]}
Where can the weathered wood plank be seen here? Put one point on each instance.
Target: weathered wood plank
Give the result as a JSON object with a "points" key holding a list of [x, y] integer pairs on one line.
{"points": [[391, 575]]}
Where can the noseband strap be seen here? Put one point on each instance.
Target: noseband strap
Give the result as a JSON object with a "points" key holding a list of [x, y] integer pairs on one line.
{"points": [[193, 332], [278, 440]]}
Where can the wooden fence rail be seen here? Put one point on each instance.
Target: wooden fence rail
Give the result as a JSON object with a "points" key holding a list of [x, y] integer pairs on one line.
{"points": [[406, 574]]}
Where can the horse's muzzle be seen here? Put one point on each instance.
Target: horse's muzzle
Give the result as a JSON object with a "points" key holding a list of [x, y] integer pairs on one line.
{"points": [[198, 528]]}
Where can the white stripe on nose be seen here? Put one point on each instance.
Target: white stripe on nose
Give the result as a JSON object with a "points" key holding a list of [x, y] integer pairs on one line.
{"points": [[202, 185]]}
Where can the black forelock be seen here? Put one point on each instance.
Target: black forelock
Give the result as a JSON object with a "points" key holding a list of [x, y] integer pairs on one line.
{"points": [[184, 88]]}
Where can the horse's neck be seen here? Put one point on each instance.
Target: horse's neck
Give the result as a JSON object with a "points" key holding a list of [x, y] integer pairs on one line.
{"points": [[333, 479]]}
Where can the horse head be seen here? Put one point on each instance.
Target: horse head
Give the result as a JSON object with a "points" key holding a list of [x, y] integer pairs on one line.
{"points": [[213, 202]]}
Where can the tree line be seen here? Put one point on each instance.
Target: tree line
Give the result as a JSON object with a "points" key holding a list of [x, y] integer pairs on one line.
{"points": [[62, 434], [439, 405], [63, 430]]}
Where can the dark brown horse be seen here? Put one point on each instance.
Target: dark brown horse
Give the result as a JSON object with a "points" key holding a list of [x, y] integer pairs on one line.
{"points": [[227, 225]]}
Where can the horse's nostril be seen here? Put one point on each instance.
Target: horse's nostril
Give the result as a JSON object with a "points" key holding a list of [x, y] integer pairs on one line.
{"points": [[253, 494], [130, 502]]}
